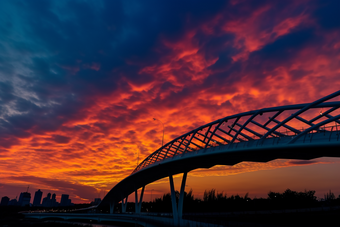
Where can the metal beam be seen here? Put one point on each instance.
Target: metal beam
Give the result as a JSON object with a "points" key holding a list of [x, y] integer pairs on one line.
{"points": [[232, 126], [179, 146], [287, 127], [242, 134], [136, 201], [268, 129], [159, 152], [330, 116], [172, 152], [251, 131], [304, 120], [228, 141], [278, 110], [207, 132], [168, 149], [141, 199], [181, 196], [244, 125], [186, 147], [199, 139], [112, 207], [270, 119], [216, 141], [194, 143], [138, 204], [314, 127], [308, 106], [124, 204], [326, 112], [228, 134], [173, 200], [216, 127]]}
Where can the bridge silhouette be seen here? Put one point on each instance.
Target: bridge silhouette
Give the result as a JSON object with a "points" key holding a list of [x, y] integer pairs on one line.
{"points": [[302, 131]]}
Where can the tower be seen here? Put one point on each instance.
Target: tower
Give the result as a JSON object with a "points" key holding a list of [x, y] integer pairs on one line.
{"points": [[24, 199], [37, 198], [64, 201]]}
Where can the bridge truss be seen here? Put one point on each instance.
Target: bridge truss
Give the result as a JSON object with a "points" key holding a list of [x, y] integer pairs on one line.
{"points": [[262, 135], [276, 122]]}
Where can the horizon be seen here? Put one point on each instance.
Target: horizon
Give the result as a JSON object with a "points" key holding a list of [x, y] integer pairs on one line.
{"points": [[186, 191]]}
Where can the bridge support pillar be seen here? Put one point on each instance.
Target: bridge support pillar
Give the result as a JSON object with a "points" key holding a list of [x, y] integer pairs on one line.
{"points": [[124, 204], [112, 207], [181, 196], [177, 210], [138, 205]]}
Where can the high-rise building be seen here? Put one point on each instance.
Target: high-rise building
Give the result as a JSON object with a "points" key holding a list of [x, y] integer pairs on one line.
{"points": [[47, 200], [4, 201], [24, 199], [13, 202], [65, 201], [37, 198], [53, 201]]}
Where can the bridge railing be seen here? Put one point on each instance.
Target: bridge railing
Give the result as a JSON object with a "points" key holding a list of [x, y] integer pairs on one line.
{"points": [[284, 121]]}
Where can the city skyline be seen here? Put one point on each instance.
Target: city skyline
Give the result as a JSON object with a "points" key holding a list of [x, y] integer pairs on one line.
{"points": [[82, 82], [25, 199]]}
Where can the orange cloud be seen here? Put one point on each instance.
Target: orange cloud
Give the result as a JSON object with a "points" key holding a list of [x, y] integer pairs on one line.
{"points": [[224, 65]]}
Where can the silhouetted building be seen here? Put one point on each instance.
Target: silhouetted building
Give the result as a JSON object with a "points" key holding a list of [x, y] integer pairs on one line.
{"points": [[47, 200], [4, 201], [37, 198], [65, 201], [24, 199], [13, 202], [53, 201], [96, 201]]}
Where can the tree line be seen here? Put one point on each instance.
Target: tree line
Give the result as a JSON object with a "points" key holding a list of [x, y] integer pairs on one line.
{"points": [[214, 201]]}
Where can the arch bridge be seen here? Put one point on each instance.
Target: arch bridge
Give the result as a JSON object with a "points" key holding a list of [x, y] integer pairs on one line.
{"points": [[302, 131]]}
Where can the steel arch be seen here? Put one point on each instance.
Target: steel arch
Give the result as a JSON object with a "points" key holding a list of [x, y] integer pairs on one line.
{"points": [[194, 140], [249, 136]]}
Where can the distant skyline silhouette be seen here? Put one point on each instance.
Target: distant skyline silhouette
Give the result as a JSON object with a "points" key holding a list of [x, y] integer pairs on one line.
{"points": [[25, 199]]}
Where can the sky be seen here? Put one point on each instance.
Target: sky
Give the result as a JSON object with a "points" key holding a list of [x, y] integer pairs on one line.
{"points": [[81, 81]]}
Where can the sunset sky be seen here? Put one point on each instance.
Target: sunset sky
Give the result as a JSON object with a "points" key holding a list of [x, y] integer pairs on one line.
{"points": [[81, 81]]}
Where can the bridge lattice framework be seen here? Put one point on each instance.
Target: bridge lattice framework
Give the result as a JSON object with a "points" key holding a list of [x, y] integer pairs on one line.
{"points": [[247, 130]]}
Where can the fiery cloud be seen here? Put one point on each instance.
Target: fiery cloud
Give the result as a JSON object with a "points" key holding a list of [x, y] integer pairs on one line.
{"points": [[80, 83]]}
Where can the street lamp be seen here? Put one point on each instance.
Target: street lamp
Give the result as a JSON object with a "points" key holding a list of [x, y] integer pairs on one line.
{"points": [[163, 129]]}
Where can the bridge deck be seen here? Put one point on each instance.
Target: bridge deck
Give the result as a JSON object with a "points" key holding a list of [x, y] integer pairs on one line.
{"points": [[259, 136], [314, 145]]}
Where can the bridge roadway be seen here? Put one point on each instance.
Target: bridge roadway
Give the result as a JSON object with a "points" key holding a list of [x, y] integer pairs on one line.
{"points": [[315, 145], [143, 220], [322, 144], [164, 219]]}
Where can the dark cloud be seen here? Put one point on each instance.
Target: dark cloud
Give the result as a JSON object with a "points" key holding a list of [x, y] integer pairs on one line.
{"points": [[61, 139], [6, 92], [302, 162], [327, 14], [283, 49], [74, 189]]}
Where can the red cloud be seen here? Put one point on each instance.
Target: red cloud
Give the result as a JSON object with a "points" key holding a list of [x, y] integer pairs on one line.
{"points": [[213, 69]]}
